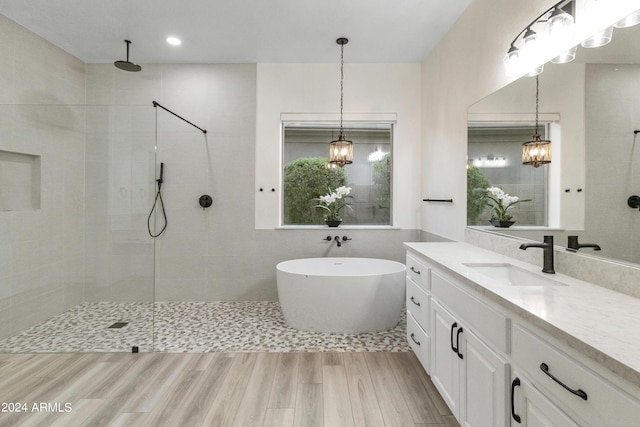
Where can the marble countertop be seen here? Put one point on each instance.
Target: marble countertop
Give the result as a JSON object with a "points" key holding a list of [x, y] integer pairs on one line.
{"points": [[602, 324]]}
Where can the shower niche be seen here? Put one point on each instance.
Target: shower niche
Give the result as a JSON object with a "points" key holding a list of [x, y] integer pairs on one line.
{"points": [[19, 181]]}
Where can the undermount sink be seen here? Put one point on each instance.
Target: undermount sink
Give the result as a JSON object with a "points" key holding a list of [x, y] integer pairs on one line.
{"points": [[509, 274]]}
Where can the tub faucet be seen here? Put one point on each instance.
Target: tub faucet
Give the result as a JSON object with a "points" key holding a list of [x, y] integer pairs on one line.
{"points": [[338, 241], [574, 246], [547, 247]]}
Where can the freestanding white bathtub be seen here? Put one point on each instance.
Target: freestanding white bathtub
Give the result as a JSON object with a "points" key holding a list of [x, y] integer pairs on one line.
{"points": [[341, 295]]}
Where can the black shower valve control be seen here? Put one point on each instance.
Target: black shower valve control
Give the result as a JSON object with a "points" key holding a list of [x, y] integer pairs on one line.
{"points": [[205, 201]]}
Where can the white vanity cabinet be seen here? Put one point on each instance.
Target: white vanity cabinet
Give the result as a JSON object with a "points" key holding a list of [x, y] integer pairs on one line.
{"points": [[417, 303], [572, 387], [470, 375], [529, 407], [495, 364]]}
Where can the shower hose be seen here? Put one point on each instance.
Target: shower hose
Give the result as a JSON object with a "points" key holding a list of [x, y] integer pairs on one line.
{"points": [[157, 205]]}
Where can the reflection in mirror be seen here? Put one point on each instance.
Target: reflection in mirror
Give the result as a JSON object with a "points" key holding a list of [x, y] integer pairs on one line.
{"points": [[494, 153], [596, 100]]}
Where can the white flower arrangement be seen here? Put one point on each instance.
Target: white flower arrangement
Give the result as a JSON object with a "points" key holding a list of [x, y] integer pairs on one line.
{"points": [[334, 202], [502, 202]]}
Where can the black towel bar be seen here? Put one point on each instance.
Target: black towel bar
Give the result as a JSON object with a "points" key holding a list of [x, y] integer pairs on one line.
{"points": [[438, 200]]}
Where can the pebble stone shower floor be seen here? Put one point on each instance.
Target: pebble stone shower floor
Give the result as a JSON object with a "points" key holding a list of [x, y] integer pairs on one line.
{"points": [[234, 326]]}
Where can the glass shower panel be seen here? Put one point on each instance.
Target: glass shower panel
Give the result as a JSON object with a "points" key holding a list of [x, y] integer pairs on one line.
{"points": [[120, 179], [76, 183], [41, 219], [182, 267]]}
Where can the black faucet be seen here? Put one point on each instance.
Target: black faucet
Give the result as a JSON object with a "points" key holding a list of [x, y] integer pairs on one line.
{"points": [[574, 246], [337, 239], [547, 247]]}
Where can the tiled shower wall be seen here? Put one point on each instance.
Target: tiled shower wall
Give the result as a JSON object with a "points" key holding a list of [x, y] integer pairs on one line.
{"points": [[42, 93], [613, 158]]}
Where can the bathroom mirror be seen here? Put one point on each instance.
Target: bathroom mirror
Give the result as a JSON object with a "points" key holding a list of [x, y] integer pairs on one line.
{"points": [[595, 100]]}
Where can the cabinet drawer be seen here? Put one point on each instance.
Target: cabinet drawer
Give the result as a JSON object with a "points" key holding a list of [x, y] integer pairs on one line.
{"points": [[485, 321], [418, 304], [418, 271], [419, 341], [590, 397]]}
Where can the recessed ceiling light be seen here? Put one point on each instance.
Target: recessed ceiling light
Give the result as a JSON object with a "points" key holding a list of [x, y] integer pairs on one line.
{"points": [[174, 41]]}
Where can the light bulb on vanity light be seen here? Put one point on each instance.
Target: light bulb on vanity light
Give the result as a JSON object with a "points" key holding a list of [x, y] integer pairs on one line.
{"points": [[629, 21], [566, 56], [559, 22], [174, 41], [536, 71], [601, 38]]}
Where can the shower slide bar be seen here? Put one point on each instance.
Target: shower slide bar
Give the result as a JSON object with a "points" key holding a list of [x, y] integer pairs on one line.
{"points": [[156, 104]]}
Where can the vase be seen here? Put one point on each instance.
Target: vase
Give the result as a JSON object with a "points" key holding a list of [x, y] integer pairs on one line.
{"points": [[501, 224], [334, 223]]}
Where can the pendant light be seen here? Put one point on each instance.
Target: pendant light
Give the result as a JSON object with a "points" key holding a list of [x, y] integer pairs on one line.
{"points": [[341, 150], [537, 151]]}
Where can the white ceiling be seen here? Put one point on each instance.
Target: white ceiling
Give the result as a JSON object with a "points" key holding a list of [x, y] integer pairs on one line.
{"points": [[239, 31]]}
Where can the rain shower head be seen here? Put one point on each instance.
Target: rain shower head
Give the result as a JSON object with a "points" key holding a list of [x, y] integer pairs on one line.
{"points": [[127, 65]]}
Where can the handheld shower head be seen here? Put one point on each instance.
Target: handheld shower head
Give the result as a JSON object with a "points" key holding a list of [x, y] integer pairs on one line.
{"points": [[127, 65], [161, 180]]}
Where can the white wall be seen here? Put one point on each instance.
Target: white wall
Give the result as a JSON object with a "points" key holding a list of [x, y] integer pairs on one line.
{"points": [[379, 90], [214, 254]]}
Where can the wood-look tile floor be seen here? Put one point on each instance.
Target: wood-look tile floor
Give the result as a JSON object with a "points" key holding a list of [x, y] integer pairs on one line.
{"points": [[219, 389]]}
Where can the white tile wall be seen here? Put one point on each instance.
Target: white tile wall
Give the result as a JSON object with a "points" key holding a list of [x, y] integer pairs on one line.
{"points": [[613, 159]]}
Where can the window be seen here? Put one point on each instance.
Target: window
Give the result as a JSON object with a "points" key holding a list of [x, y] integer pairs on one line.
{"points": [[494, 156], [307, 174]]}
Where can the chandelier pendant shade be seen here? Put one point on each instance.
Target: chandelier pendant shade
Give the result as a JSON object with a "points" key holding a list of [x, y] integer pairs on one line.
{"points": [[536, 152], [341, 149]]}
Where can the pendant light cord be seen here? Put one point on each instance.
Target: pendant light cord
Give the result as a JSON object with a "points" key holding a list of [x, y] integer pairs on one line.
{"points": [[341, 84], [537, 95]]}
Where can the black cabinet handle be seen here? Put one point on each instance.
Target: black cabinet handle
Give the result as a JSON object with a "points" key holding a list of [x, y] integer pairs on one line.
{"points": [[453, 328], [515, 383], [580, 393], [458, 343], [414, 270], [414, 301], [414, 339]]}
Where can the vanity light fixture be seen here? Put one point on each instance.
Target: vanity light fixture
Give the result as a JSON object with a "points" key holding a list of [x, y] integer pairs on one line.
{"points": [[489, 161], [551, 27], [557, 32], [341, 149], [376, 155], [537, 151]]}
